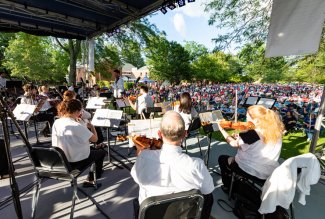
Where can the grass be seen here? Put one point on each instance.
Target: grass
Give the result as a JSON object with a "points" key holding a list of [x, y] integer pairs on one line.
{"points": [[293, 143]]}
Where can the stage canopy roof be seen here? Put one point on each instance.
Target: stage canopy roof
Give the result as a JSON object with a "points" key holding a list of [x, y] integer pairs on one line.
{"points": [[77, 19]]}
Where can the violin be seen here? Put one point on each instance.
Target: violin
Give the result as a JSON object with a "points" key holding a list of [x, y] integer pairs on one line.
{"points": [[133, 98], [242, 126], [142, 143]]}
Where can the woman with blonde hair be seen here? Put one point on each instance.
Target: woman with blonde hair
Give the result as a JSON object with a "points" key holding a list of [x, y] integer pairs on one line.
{"points": [[258, 149]]}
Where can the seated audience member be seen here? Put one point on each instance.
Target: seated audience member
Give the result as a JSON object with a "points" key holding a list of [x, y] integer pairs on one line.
{"points": [[73, 138], [166, 171], [258, 149], [85, 117], [185, 109], [289, 121], [143, 101], [309, 125]]}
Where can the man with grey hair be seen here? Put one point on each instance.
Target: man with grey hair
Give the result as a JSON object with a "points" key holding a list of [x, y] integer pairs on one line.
{"points": [[166, 171]]}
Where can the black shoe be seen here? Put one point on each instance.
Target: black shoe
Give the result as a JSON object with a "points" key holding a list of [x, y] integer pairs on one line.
{"points": [[88, 184], [225, 189]]}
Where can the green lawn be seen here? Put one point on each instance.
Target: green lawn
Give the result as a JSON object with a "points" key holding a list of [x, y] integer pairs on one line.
{"points": [[293, 143]]}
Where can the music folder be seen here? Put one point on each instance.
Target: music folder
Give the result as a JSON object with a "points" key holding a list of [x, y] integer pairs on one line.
{"points": [[107, 118], [121, 103], [212, 117], [23, 112]]}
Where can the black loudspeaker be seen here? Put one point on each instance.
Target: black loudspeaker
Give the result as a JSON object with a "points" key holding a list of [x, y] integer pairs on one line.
{"points": [[4, 169]]}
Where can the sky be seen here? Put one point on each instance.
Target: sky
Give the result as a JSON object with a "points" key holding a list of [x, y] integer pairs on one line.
{"points": [[187, 23]]}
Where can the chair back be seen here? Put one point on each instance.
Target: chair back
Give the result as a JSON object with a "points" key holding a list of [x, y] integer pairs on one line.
{"points": [[195, 124], [50, 162], [180, 205]]}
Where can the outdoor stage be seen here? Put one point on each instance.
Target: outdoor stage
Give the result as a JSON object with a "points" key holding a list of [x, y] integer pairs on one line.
{"points": [[118, 189]]}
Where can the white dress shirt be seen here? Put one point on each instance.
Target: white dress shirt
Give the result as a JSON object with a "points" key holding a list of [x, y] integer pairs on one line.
{"points": [[143, 102], [166, 171], [72, 137], [118, 88]]}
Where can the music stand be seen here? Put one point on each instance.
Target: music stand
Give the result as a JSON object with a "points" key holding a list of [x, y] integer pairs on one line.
{"points": [[250, 101], [267, 102], [107, 118], [95, 102]]}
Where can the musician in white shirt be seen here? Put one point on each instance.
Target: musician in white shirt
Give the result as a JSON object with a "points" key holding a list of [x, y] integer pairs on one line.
{"points": [[118, 85], [166, 171], [143, 102]]}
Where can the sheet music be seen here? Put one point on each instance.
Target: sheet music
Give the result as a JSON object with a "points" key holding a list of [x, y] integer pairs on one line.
{"points": [[107, 118], [165, 106], [23, 112], [95, 102], [148, 128], [211, 117]]}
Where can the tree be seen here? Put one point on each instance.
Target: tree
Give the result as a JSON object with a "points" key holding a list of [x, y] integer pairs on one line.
{"points": [[257, 67], [30, 56], [217, 67], [195, 50], [71, 47], [168, 61], [4, 42], [246, 20]]}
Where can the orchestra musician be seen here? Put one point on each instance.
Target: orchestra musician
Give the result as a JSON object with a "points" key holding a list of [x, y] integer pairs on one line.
{"points": [[118, 85], [42, 113], [166, 171], [73, 138], [3, 79], [258, 149], [142, 102], [84, 117], [185, 109]]}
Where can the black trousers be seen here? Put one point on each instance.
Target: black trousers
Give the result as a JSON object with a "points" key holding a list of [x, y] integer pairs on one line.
{"points": [[99, 135], [205, 214], [227, 170], [97, 156]]}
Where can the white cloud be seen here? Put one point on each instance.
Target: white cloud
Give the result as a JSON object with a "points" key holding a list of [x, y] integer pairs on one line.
{"points": [[179, 24], [194, 9]]}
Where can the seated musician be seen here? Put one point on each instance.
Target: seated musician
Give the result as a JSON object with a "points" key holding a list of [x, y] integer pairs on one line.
{"points": [[258, 150], [41, 113], [166, 171], [73, 138], [143, 101], [49, 104], [185, 109], [84, 118]]}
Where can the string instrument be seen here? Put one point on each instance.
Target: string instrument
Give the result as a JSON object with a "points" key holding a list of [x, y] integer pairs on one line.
{"points": [[134, 98], [142, 143], [242, 126], [41, 100]]}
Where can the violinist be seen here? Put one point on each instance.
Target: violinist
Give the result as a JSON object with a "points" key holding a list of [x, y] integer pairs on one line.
{"points": [[84, 117], [143, 101], [185, 109], [40, 114], [258, 149], [73, 138]]}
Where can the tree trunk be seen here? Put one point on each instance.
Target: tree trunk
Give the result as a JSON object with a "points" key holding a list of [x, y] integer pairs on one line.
{"points": [[74, 49]]}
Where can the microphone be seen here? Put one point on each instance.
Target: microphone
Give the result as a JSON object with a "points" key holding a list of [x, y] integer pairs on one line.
{"points": [[137, 81]]}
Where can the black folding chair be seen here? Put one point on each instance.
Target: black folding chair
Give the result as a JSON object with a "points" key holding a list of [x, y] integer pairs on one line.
{"points": [[182, 205], [194, 131], [51, 163]]}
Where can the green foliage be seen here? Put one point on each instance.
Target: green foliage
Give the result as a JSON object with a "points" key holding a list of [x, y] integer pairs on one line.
{"points": [[4, 42], [247, 21], [34, 57], [217, 67], [195, 50], [168, 61], [103, 83], [128, 85], [257, 67]]}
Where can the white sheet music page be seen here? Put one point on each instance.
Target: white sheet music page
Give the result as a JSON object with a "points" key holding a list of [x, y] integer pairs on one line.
{"points": [[23, 112], [107, 118], [296, 27], [95, 102]]}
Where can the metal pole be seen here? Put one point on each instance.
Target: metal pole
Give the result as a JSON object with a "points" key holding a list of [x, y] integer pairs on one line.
{"points": [[318, 123]]}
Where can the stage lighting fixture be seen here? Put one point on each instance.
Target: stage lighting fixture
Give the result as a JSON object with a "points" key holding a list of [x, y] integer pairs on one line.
{"points": [[171, 6], [163, 10], [181, 3], [189, 1]]}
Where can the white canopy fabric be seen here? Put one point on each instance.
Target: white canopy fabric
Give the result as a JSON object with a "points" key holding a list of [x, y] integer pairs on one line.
{"points": [[296, 27]]}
